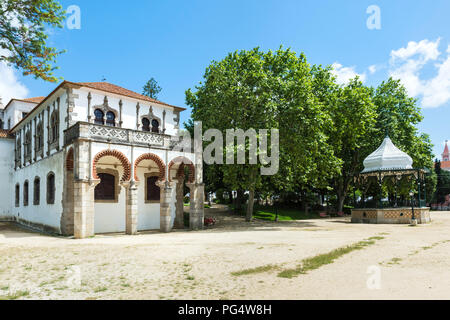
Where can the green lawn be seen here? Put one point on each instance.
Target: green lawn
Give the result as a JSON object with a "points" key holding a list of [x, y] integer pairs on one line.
{"points": [[284, 214], [207, 206]]}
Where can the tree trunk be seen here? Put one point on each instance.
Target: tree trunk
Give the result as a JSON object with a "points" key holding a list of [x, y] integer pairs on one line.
{"points": [[340, 202], [251, 198], [305, 202], [239, 196], [230, 196]]}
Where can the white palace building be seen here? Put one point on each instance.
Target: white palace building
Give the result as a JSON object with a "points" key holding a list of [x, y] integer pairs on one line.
{"points": [[95, 158]]}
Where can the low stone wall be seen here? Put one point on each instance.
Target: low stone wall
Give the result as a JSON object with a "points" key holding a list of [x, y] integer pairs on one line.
{"points": [[390, 215]]}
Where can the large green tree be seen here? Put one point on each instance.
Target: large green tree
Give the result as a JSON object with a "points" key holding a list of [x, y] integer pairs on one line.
{"points": [[354, 117], [24, 30], [266, 90]]}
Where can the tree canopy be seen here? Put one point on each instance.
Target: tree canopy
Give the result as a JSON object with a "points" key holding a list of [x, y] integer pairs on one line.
{"points": [[151, 89], [325, 129], [24, 30], [266, 90]]}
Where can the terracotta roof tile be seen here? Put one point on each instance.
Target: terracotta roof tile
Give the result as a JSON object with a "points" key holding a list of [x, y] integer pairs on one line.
{"points": [[109, 87], [34, 99]]}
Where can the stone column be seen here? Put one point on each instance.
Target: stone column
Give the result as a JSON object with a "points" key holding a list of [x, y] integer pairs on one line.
{"points": [[165, 214], [84, 208], [131, 207], [179, 207], [197, 207], [67, 217]]}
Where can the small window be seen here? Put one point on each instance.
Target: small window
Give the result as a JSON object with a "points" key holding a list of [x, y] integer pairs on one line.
{"points": [[25, 193], [54, 129], [17, 195], [105, 190], [51, 188], [153, 191], [155, 126], [37, 191], [145, 124], [28, 143], [39, 140], [99, 116], [110, 119]]}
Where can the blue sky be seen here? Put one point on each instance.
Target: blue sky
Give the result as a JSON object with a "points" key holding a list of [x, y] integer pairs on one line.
{"points": [[174, 41]]}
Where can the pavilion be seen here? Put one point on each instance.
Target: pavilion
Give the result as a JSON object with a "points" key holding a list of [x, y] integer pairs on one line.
{"points": [[390, 163]]}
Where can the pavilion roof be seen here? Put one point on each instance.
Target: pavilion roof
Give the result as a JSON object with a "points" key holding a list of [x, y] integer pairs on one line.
{"points": [[387, 158]]}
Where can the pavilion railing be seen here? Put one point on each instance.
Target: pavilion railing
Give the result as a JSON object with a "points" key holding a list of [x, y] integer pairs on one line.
{"points": [[400, 203]]}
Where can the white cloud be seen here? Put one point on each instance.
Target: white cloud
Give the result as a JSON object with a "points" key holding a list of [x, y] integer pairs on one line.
{"points": [[10, 86], [372, 69], [345, 74], [425, 49], [407, 63]]}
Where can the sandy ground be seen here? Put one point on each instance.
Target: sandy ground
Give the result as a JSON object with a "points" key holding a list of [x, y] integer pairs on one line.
{"points": [[409, 263]]}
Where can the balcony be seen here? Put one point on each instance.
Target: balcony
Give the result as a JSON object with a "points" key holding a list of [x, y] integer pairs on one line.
{"points": [[108, 134]]}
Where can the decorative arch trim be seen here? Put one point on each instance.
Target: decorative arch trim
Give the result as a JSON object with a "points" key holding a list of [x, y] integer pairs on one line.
{"points": [[183, 161], [118, 155], [69, 160], [156, 159]]}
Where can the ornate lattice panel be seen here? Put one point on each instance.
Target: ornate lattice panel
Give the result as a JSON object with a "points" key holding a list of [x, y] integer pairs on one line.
{"points": [[147, 138], [108, 133]]}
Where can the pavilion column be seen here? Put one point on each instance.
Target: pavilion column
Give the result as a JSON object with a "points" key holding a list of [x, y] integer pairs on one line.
{"points": [[197, 208], [179, 207], [165, 208], [131, 207]]}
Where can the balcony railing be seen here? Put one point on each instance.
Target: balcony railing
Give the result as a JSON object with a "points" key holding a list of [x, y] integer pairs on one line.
{"points": [[103, 133]]}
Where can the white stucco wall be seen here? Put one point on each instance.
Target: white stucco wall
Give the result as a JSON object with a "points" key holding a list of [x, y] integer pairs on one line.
{"points": [[47, 214], [128, 109], [15, 110], [6, 174]]}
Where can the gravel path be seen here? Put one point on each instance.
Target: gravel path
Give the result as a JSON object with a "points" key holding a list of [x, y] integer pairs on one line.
{"points": [[403, 263]]}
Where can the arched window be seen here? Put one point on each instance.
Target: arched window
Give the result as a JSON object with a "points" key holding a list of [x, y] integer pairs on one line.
{"points": [[155, 126], [37, 191], [145, 124], [17, 195], [99, 115], [51, 188], [25, 193], [105, 190], [110, 119], [153, 191], [39, 140], [18, 151], [28, 143], [1, 124], [54, 127]]}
